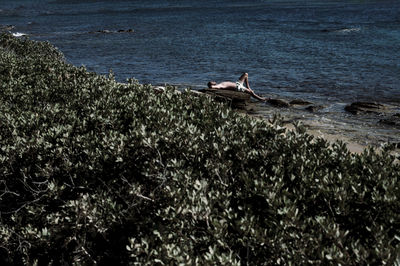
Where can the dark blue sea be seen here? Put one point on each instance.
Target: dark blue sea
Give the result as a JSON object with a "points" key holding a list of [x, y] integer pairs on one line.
{"points": [[325, 51]]}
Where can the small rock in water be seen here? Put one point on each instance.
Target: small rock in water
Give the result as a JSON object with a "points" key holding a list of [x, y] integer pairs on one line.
{"points": [[315, 108], [4, 28], [394, 120], [365, 107], [278, 102], [110, 31], [129, 30], [300, 102]]}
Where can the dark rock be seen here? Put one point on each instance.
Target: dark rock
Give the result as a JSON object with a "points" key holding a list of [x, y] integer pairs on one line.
{"points": [[315, 108], [129, 30], [300, 102], [368, 105], [394, 120], [5, 28], [278, 102], [231, 94], [365, 107], [340, 30], [236, 99], [111, 31]]}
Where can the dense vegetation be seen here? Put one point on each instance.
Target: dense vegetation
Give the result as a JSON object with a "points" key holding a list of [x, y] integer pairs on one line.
{"points": [[93, 171]]}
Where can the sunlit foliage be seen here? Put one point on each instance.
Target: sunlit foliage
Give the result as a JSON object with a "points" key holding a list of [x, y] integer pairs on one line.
{"points": [[93, 171]]}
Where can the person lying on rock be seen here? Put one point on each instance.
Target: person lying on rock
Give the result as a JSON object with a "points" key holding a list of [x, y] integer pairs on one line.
{"points": [[241, 85]]}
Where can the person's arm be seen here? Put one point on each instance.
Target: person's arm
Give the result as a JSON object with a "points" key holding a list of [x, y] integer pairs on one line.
{"points": [[247, 83]]}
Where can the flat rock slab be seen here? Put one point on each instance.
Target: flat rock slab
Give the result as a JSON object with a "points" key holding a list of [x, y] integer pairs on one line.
{"points": [[230, 94]]}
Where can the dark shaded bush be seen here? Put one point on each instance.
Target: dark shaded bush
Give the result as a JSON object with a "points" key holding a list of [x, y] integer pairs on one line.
{"points": [[96, 171]]}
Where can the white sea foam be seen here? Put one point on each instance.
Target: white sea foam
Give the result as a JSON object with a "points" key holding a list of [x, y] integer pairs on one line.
{"points": [[347, 30], [19, 34]]}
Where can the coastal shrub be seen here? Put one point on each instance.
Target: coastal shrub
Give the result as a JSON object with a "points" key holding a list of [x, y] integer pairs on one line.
{"points": [[95, 171]]}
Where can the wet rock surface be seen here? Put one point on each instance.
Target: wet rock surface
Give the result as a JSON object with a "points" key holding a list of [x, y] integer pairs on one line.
{"points": [[393, 120], [278, 102], [376, 123], [314, 108], [6, 28], [366, 107], [300, 102]]}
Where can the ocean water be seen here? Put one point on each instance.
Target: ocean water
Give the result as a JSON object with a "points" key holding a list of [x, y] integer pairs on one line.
{"points": [[329, 52]]}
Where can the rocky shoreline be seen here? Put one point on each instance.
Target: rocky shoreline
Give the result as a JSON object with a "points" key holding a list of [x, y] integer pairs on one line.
{"points": [[359, 124]]}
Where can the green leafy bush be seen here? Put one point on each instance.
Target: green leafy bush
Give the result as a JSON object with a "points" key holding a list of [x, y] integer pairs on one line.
{"points": [[94, 171]]}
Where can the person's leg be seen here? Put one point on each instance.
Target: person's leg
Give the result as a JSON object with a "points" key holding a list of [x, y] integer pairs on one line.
{"points": [[243, 77], [257, 97]]}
